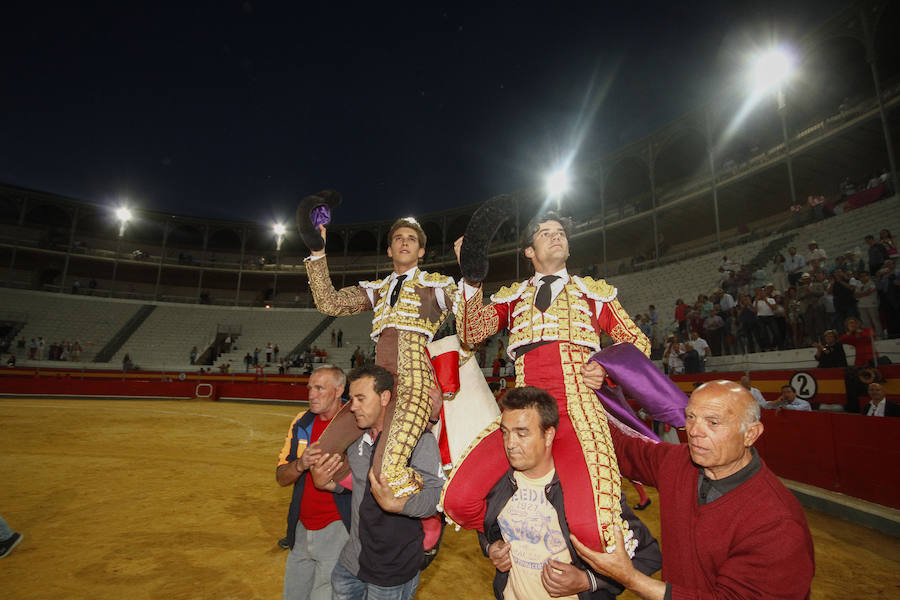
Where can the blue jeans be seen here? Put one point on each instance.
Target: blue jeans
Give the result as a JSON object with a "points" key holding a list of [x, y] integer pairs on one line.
{"points": [[307, 572], [345, 586]]}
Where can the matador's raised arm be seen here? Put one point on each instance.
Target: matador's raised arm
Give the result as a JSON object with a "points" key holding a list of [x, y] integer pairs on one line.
{"points": [[350, 300]]}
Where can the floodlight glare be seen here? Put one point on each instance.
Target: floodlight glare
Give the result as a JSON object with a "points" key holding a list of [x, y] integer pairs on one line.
{"points": [[279, 229], [123, 214], [771, 69], [558, 182]]}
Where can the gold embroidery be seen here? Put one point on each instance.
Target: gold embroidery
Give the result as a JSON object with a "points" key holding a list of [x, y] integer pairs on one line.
{"points": [[337, 303], [592, 430], [475, 322], [406, 314], [567, 319], [411, 413], [626, 330]]}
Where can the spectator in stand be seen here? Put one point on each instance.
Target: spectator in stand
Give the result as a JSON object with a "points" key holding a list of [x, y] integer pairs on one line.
{"points": [[702, 348], [256, 357], [788, 400], [681, 315], [861, 339], [765, 319], [779, 273], [747, 333], [645, 326], [714, 326], [248, 360], [844, 296], [890, 244], [654, 322], [831, 320], [878, 405], [275, 351], [794, 265], [877, 254], [759, 277], [867, 302], [781, 328], [672, 356], [810, 293], [193, 355], [831, 353], [268, 352], [757, 395], [816, 254], [887, 282], [794, 316], [742, 279]]}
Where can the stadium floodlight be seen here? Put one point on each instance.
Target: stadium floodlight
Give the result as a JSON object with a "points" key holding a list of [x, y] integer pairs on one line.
{"points": [[558, 182], [279, 230], [771, 69], [123, 214]]}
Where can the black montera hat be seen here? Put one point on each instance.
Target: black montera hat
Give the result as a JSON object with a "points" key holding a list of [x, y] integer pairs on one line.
{"points": [[315, 210], [482, 227]]}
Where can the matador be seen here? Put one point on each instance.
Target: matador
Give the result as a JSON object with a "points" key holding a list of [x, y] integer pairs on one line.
{"points": [[409, 306], [555, 322]]}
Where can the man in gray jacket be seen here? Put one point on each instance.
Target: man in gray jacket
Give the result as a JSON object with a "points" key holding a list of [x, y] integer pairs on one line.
{"points": [[385, 551]]}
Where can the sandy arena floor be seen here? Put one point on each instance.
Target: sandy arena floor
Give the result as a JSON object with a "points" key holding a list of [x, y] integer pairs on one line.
{"points": [[154, 499]]}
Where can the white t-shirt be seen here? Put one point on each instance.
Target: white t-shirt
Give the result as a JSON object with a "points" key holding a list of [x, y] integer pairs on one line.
{"points": [[530, 525], [764, 307], [700, 346]]}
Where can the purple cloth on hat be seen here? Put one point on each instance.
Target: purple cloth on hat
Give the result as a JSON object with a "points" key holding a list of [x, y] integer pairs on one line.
{"points": [[320, 215], [636, 377]]}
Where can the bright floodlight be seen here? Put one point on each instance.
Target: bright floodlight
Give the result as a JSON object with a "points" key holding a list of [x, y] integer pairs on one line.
{"points": [[771, 69], [279, 229], [123, 214], [558, 182]]}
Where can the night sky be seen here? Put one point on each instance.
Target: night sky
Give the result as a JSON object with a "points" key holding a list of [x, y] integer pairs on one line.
{"points": [[235, 110]]}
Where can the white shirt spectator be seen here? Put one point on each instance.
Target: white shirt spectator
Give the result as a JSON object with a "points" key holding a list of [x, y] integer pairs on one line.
{"points": [[764, 307], [794, 263], [701, 346], [877, 410], [797, 404], [726, 302], [757, 395]]}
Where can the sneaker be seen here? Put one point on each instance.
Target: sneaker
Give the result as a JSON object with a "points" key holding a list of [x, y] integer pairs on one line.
{"points": [[7, 545], [283, 543]]}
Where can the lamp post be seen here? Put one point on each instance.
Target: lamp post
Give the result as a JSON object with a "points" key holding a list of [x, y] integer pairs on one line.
{"points": [[123, 214], [279, 229], [771, 70]]}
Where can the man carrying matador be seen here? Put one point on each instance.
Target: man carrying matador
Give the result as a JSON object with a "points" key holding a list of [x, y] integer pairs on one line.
{"points": [[409, 306], [555, 322]]}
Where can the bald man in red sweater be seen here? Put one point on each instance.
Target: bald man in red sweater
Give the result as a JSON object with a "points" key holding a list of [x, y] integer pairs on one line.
{"points": [[730, 529]]}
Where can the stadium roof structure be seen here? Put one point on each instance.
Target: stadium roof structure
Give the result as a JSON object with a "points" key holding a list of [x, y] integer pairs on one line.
{"points": [[704, 179]]}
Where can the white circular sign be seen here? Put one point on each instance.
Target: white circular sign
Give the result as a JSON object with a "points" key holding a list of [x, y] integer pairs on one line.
{"points": [[804, 385]]}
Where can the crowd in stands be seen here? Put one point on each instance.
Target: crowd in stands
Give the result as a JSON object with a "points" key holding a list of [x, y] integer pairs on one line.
{"points": [[796, 302], [39, 349]]}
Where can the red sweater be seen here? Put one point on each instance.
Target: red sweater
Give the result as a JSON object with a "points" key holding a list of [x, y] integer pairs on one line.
{"points": [[753, 542]]}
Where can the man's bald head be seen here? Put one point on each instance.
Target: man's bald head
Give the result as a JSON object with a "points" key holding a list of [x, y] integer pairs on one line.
{"points": [[736, 394], [722, 423]]}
